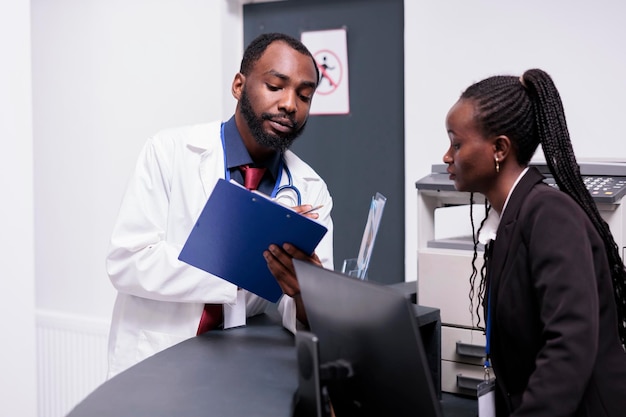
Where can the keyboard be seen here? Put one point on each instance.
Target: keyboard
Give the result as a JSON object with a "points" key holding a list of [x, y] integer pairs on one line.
{"points": [[603, 189]]}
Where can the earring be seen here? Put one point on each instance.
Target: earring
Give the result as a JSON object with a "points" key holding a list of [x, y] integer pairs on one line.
{"points": [[497, 165]]}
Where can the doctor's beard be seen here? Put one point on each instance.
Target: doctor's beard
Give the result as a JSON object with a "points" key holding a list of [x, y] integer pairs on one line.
{"points": [[255, 124]]}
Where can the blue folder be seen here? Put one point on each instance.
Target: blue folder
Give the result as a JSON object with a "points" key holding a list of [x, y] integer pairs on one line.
{"points": [[233, 230]]}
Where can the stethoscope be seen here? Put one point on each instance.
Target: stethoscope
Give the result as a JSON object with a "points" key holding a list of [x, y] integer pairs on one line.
{"points": [[277, 187]]}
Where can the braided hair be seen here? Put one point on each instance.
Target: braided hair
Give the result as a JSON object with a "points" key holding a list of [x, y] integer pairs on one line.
{"points": [[529, 111]]}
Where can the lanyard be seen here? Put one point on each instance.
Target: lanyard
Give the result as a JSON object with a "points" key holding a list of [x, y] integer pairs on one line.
{"points": [[487, 362], [486, 389], [488, 324], [488, 328]]}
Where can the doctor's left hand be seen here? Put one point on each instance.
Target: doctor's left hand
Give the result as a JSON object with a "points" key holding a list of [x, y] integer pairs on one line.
{"points": [[307, 210], [279, 261]]}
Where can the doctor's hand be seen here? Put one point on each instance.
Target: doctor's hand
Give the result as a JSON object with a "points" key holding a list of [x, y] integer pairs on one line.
{"points": [[280, 263], [308, 210]]}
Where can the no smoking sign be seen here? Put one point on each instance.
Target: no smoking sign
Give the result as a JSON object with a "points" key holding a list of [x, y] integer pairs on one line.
{"points": [[329, 48]]}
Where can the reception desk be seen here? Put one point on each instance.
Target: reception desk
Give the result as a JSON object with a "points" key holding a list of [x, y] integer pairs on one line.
{"points": [[246, 371]]}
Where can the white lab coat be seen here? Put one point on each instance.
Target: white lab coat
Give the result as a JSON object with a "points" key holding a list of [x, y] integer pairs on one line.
{"points": [[160, 299]]}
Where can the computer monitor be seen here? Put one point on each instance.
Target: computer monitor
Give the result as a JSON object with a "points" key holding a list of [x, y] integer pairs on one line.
{"points": [[373, 329]]}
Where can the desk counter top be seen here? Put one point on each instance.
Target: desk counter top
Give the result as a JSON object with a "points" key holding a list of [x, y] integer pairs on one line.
{"points": [[246, 371]]}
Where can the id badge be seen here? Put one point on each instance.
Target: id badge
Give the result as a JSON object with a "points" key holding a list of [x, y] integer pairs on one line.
{"points": [[487, 398]]}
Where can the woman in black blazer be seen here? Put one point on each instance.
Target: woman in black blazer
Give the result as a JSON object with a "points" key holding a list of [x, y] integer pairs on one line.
{"points": [[554, 291]]}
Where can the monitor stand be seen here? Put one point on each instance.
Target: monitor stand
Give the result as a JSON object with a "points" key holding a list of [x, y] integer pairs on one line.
{"points": [[311, 398]]}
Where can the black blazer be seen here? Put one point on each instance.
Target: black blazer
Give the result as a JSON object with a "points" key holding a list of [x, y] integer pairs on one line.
{"points": [[555, 348]]}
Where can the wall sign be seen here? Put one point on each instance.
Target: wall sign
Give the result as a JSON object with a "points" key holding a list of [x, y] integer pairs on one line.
{"points": [[329, 48]]}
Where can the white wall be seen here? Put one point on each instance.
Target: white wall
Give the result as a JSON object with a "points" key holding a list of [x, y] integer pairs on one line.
{"points": [[17, 276], [106, 76], [449, 45]]}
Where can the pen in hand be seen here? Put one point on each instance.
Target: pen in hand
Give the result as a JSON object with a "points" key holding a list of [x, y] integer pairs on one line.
{"points": [[312, 209]]}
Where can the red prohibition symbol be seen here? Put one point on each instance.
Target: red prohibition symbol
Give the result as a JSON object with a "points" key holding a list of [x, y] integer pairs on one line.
{"points": [[331, 71]]}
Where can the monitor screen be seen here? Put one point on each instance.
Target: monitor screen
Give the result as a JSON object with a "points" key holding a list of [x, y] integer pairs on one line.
{"points": [[374, 329]]}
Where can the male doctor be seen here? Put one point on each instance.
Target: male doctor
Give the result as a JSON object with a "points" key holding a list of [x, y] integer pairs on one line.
{"points": [[160, 299]]}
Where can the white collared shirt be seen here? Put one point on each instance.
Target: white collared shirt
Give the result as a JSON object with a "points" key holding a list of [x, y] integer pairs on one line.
{"points": [[490, 227]]}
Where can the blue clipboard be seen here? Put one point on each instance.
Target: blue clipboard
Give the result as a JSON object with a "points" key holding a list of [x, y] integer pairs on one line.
{"points": [[235, 227]]}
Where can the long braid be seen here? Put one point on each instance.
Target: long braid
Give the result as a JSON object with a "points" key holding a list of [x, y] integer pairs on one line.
{"points": [[557, 148], [475, 272]]}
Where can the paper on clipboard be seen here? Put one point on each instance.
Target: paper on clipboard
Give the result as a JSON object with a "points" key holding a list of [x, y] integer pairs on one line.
{"points": [[235, 227]]}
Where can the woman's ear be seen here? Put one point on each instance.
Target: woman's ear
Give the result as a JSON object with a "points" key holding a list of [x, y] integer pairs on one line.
{"points": [[238, 84], [502, 147]]}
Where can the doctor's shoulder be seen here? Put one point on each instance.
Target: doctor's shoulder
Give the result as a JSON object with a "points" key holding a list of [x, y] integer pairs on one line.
{"points": [[197, 137]]}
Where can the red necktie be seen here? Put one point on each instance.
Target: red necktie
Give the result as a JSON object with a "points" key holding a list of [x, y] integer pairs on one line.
{"points": [[213, 314], [251, 176]]}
